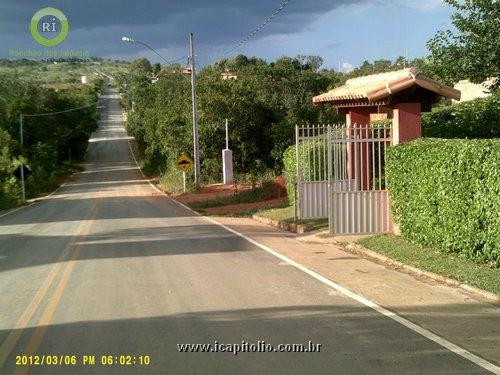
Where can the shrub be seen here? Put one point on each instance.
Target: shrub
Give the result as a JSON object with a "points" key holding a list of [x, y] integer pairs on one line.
{"points": [[10, 193], [289, 164], [446, 194], [313, 164], [171, 178], [478, 118]]}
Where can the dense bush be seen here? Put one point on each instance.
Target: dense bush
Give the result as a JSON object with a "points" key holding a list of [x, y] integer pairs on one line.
{"points": [[312, 164], [290, 168], [9, 188], [479, 118], [446, 194]]}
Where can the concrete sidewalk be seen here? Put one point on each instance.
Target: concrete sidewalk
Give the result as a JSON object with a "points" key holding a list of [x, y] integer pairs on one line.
{"points": [[449, 313]]}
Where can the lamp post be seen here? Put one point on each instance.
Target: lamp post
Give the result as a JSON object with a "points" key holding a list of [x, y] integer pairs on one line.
{"points": [[130, 40], [196, 139]]}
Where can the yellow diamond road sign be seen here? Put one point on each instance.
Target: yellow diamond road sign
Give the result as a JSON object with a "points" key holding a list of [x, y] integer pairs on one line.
{"points": [[184, 162]]}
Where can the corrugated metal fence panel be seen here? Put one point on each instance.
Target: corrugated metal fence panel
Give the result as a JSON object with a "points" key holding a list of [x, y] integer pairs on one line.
{"points": [[313, 197], [360, 212], [313, 200]]}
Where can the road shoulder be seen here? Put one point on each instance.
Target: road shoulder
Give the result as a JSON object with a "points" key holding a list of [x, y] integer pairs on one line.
{"points": [[441, 309]]}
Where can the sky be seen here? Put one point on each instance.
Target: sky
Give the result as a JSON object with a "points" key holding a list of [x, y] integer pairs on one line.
{"points": [[343, 32]]}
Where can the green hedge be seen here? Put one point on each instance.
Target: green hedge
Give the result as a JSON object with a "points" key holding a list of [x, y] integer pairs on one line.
{"points": [[290, 172], [446, 194], [312, 162], [478, 118]]}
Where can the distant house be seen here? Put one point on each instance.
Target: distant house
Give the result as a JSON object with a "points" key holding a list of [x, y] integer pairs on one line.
{"points": [[472, 91], [228, 75]]}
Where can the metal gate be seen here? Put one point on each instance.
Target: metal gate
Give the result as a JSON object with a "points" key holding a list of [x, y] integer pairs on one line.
{"points": [[341, 176]]}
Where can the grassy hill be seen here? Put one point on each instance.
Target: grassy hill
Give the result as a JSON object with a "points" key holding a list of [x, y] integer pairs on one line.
{"points": [[61, 71]]}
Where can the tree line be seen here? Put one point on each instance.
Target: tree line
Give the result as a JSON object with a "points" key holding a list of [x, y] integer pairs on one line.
{"points": [[51, 143], [263, 101]]}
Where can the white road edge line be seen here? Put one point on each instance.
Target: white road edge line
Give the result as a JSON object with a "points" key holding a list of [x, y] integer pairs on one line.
{"points": [[16, 209], [35, 201], [364, 301]]}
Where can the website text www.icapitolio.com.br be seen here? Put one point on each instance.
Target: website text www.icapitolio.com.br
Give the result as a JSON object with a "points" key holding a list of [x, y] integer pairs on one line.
{"points": [[246, 347]]}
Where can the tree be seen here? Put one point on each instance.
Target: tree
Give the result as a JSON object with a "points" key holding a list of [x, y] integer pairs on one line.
{"points": [[141, 65], [311, 62], [156, 68], [472, 53]]}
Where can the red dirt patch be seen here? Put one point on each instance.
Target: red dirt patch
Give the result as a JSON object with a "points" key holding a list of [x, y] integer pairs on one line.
{"points": [[214, 191], [236, 208]]}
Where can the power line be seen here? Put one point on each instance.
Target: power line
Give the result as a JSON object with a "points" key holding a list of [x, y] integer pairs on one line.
{"points": [[66, 110], [179, 59], [259, 28]]}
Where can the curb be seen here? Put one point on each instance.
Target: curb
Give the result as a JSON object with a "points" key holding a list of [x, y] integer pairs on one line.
{"points": [[372, 255], [290, 227]]}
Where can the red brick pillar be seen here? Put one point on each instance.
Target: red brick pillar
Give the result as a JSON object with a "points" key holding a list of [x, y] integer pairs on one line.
{"points": [[406, 123], [358, 153]]}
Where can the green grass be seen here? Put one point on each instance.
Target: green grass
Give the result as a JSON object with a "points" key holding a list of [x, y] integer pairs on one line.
{"points": [[287, 214], [246, 213], [449, 265]]}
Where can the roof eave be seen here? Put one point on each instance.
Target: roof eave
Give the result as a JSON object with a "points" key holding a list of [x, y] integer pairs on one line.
{"points": [[435, 86]]}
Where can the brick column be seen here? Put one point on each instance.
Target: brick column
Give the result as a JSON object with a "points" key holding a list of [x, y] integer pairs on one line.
{"points": [[358, 154], [405, 127], [406, 123]]}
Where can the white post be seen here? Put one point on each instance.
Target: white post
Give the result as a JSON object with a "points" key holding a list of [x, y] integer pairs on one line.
{"points": [[196, 142], [227, 160], [184, 181]]}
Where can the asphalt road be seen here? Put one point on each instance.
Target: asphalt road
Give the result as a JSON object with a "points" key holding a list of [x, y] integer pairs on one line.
{"points": [[107, 267]]}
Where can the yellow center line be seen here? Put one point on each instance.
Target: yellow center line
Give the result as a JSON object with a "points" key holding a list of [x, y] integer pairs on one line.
{"points": [[16, 332], [45, 319]]}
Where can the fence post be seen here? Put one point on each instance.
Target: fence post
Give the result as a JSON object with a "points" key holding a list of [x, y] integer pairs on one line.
{"points": [[330, 185]]}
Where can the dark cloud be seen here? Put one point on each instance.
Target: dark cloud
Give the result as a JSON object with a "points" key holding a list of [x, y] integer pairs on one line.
{"points": [[98, 24]]}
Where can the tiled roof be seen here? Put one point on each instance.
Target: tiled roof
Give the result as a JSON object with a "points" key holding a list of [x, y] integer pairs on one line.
{"points": [[376, 87]]}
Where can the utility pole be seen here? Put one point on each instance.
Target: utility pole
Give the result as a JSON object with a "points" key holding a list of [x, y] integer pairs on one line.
{"points": [[21, 135], [196, 140]]}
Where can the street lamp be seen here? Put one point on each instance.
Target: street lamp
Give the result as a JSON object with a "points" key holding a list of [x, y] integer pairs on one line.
{"points": [[127, 39], [196, 139]]}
